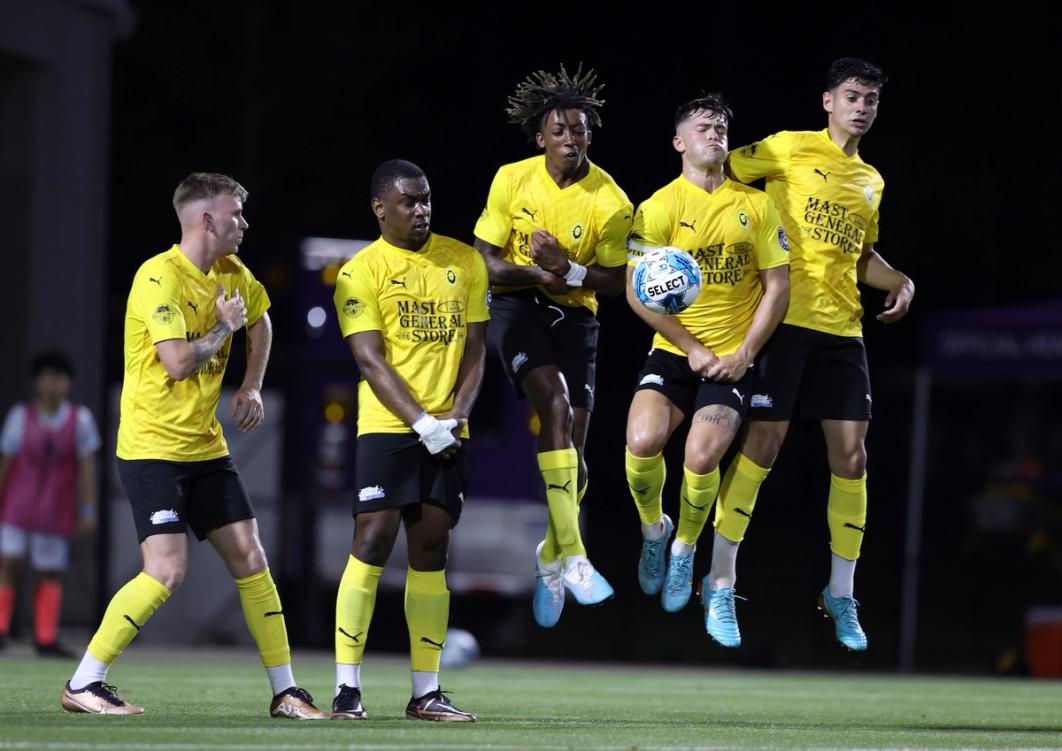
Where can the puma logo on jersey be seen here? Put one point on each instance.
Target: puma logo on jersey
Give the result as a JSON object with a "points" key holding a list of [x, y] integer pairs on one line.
{"points": [[157, 281], [823, 175], [399, 282], [530, 213], [688, 225], [193, 306], [346, 274]]}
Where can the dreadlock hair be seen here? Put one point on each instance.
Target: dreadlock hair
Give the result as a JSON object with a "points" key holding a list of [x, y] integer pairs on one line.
{"points": [[391, 171], [847, 68], [709, 101], [541, 93]]}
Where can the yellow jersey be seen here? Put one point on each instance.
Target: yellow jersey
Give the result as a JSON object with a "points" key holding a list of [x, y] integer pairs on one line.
{"points": [[733, 232], [829, 204], [589, 218], [421, 302], [172, 299]]}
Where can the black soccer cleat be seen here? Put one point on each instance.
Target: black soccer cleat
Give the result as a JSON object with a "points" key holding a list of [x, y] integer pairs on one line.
{"points": [[347, 704], [435, 706]]}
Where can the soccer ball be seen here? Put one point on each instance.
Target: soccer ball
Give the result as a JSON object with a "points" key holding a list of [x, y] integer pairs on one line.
{"points": [[460, 650], [667, 280]]}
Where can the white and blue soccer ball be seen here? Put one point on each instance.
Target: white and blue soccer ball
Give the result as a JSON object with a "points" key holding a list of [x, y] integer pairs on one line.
{"points": [[460, 649], [667, 280]]}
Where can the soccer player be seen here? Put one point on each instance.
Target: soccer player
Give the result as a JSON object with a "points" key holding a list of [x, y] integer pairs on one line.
{"points": [[413, 308], [700, 365], [174, 464], [829, 200], [47, 493], [553, 233]]}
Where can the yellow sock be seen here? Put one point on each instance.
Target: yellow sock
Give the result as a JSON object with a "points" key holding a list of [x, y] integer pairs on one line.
{"points": [[737, 497], [645, 478], [695, 501], [265, 617], [551, 549], [846, 512], [560, 473], [427, 613], [354, 603], [127, 612]]}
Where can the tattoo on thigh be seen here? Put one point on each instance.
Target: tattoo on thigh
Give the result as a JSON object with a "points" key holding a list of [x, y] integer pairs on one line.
{"points": [[717, 414]]}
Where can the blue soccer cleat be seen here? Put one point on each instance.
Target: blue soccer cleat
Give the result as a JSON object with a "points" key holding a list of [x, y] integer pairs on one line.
{"points": [[652, 564], [548, 601], [584, 582], [720, 616], [678, 585], [844, 611]]}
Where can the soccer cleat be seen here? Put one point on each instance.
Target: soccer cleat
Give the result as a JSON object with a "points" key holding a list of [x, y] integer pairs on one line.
{"points": [[347, 704], [96, 698], [584, 582], [720, 617], [55, 649], [296, 704], [652, 563], [678, 586], [843, 610], [435, 706], [548, 600]]}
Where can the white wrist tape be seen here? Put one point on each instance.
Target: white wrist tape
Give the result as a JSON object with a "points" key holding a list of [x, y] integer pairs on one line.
{"points": [[435, 434], [576, 274]]}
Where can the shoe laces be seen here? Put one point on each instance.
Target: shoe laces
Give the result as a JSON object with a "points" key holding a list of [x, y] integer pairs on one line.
{"points": [[651, 550], [848, 612], [682, 573], [108, 692], [553, 578], [300, 693], [723, 602], [584, 572]]}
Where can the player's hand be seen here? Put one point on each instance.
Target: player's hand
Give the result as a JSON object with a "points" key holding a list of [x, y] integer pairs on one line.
{"points": [[246, 409], [701, 360], [437, 435], [547, 252], [897, 302], [232, 312], [728, 368], [461, 423], [554, 284]]}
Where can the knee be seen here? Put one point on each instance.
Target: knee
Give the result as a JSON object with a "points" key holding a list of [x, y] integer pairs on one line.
{"points": [[643, 442], [702, 460], [372, 545], [557, 415], [430, 556], [763, 442], [169, 572], [249, 559], [850, 463]]}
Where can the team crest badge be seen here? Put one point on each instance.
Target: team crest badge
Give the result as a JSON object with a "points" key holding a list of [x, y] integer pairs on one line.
{"points": [[783, 240], [743, 219], [163, 314], [353, 307], [451, 276], [868, 193], [577, 230]]}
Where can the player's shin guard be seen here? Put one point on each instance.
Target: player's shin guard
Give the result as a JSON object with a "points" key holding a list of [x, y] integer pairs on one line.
{"points": [[427, 613], [846, 512], [698, 493], [645, 478], [737, 497], [265, 617], [354, 605], [126, 614], [551, 548], [47, 601], [560, 473]]}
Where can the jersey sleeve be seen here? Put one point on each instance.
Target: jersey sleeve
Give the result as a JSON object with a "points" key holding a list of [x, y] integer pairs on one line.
{"points": [[479, 293], [357, 307], [495, 224], [11, 435], [86, 435], [871, 235], [157, 300], [254, 296], [766, 158], [611, 250], [772, 244], [652, 229]]}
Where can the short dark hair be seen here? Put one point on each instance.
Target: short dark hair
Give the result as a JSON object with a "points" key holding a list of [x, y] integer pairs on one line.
{"points": [[847, 68], [390, 171], [541, 93], [52, 360], [708, 100], [200, 185]]}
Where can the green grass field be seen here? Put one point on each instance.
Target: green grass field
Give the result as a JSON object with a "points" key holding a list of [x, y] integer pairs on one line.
{"points": [[219, 700]]}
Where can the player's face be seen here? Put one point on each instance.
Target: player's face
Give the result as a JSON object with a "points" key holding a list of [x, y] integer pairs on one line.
{"points": [[565, 136], [702, 139], [404, 212], [52, 386], [852, 106], [225, 223]]}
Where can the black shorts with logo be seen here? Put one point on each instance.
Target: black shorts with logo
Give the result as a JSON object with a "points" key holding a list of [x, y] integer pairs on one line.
{"points": [[168, 497], [528, 330], [670, 374], [817, 375], [394, 469]]}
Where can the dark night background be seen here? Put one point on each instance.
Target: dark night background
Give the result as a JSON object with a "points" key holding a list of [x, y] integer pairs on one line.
{"points": [[300, 102]]}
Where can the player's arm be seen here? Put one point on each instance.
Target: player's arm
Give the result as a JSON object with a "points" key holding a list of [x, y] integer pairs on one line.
{"points": [[875, 272], [183, 358], [769, 313], [393, 392], [700, 358], [469, 375], [246, 407], [548, 253], [506, 274]]}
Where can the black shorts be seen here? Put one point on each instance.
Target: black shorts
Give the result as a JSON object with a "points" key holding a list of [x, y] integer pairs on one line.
{"points": [[168, 497], [825, 374], [528, 330], [394, 469], [670, 374]]}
